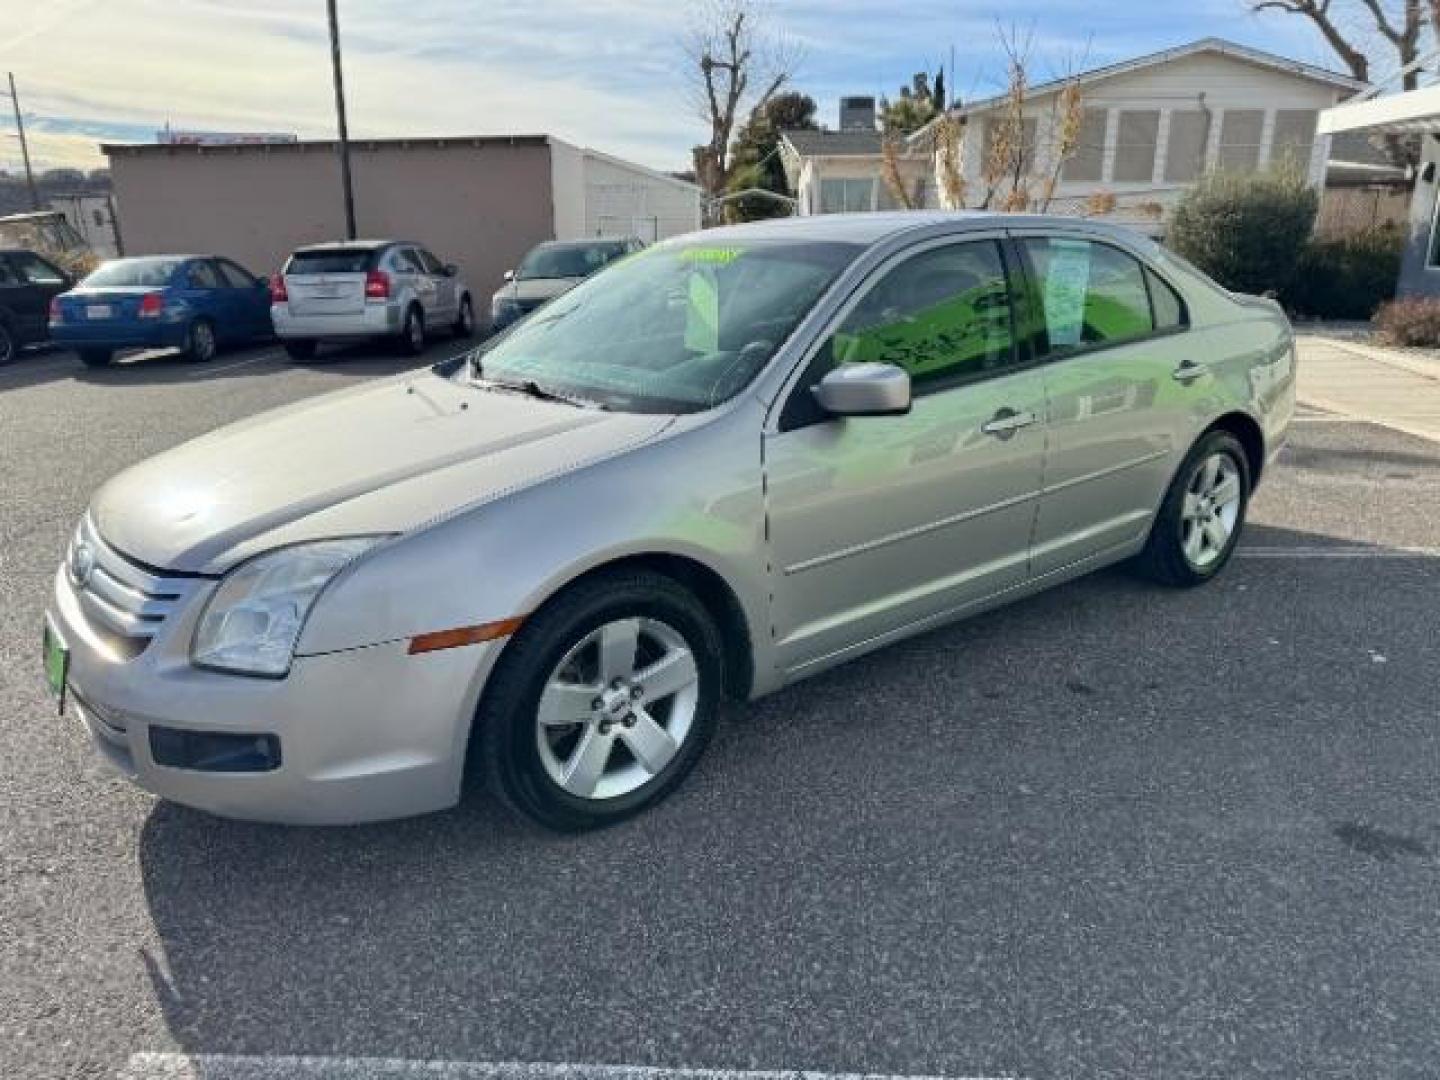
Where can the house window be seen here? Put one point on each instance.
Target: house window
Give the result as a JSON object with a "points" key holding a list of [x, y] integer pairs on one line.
{"points": [[993, 127], [1135, 146], [1185, 151], [1240, 133], [1294, 138], [1087, 164], [846, 196]]}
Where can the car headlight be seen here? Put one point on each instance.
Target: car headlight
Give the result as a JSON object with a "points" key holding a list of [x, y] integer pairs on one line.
{"points": [[252, 622]]}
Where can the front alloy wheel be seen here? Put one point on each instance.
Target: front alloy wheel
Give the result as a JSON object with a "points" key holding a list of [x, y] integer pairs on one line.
{"points": [[602, 703], [617, 708]]}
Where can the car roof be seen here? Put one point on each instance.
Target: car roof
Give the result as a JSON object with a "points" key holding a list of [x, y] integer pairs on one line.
{"points": [[873, 227], [350, 245], [594, 241]]}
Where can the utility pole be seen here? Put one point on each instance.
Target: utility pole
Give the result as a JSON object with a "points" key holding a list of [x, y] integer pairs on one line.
{"points": [[340, 120], [24, 148]]}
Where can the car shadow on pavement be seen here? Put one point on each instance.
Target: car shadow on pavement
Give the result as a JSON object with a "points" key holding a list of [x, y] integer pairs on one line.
{"points": [[923, 858]]}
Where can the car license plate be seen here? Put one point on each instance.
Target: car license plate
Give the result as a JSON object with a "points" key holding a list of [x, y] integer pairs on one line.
{"points": [[57, 664], [97, 311]]}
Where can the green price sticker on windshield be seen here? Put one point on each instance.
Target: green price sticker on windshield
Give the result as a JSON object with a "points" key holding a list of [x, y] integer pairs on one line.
{"points": [[716, 256]]}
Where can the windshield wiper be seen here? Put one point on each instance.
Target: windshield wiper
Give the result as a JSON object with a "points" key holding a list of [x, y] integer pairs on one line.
{"points": [[529, 387]]}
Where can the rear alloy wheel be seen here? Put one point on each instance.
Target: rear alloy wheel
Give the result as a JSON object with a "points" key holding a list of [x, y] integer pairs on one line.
{"points": [[602, 703], [1199, 522], [412, 332], [200, 341], [9, 347], [464, 325], [300, 350], [96, 357]]}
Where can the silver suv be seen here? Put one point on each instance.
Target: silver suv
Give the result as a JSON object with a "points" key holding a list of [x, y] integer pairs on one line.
{"points": [[367, 289]]}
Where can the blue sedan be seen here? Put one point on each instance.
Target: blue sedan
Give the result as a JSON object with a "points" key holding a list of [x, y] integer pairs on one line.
{"points": [[194, 303]]}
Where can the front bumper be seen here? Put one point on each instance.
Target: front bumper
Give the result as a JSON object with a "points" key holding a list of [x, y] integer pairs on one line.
{"points": [[365, 734], [372, 321]]}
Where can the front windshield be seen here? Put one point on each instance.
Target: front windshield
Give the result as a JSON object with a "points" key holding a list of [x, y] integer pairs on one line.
{"points": [[567, 261], [678, 328], [150, 273]]}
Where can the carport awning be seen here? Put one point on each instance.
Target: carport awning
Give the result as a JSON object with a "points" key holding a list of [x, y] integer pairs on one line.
{"points": [[1415, 112]]}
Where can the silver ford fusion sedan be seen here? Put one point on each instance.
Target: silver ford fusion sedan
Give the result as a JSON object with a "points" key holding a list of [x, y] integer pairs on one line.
{"points": [[726, 463]]}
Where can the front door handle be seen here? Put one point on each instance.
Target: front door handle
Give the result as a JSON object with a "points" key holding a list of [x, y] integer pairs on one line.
{"points": [[1189, 371], [1008, 421]]}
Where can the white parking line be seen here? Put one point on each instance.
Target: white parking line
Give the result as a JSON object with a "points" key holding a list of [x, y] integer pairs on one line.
{"points": [[215, 369], [1337, 552], [246, 1067]]}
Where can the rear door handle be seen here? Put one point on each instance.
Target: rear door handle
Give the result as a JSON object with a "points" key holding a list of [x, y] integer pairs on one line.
{"points": [[1008, 421], [1189, 371]]}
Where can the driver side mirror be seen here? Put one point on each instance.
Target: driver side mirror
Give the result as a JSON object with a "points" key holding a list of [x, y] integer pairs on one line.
{"points": [[509, 275], [866, 389], [451, 270]]}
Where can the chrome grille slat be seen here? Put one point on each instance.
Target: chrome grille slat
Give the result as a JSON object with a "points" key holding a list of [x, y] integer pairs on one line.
{"points": [[122, 622], [123, 596], [118, 596]]}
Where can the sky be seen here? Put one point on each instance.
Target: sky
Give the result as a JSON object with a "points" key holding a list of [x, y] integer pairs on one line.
{"points": [[603, 73]]}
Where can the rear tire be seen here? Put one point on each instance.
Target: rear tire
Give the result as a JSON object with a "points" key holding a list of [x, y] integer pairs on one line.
{"points": [[526, 756], [1203, 514], [464, 325], [200, 344], [412, 331], [9, 344], [300, 350], [96, 358]]}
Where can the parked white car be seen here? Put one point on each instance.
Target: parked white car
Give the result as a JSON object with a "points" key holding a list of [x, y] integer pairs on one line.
{"points": [[552, 269], [367, 289]]}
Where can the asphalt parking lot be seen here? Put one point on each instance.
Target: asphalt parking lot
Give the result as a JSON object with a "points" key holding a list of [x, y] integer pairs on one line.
{"points": [[1110, 831]]}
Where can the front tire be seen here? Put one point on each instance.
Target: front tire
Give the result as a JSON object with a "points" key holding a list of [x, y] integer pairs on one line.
{"points": [[200, 345], [95, 358], [602, 703], [1200, 521], [9, 344]]}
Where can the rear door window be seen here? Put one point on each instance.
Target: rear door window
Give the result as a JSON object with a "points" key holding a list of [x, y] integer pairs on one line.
{"points": [[1084, 294], [7, 275], [202, 275], [405, 261], [335, 261], [36, 270]]}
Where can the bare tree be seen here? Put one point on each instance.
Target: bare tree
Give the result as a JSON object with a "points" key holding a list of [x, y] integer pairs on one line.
{"points": [[736, 62], [1344, 24]]}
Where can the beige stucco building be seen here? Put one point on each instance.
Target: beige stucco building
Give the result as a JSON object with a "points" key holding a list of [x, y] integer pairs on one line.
{"points": [[478, 202], [1149, 128]]}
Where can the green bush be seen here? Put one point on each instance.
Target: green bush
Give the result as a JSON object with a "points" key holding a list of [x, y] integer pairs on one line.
{"points": [[1414, 320], [1346, 278], [1246, 231]]}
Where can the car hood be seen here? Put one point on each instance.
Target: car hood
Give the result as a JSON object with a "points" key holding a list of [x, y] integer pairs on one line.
{"points": [[384, 457], [536, 288]]}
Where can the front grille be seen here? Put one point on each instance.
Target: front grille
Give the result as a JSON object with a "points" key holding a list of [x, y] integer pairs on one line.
{"points": [[125, 602]]}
